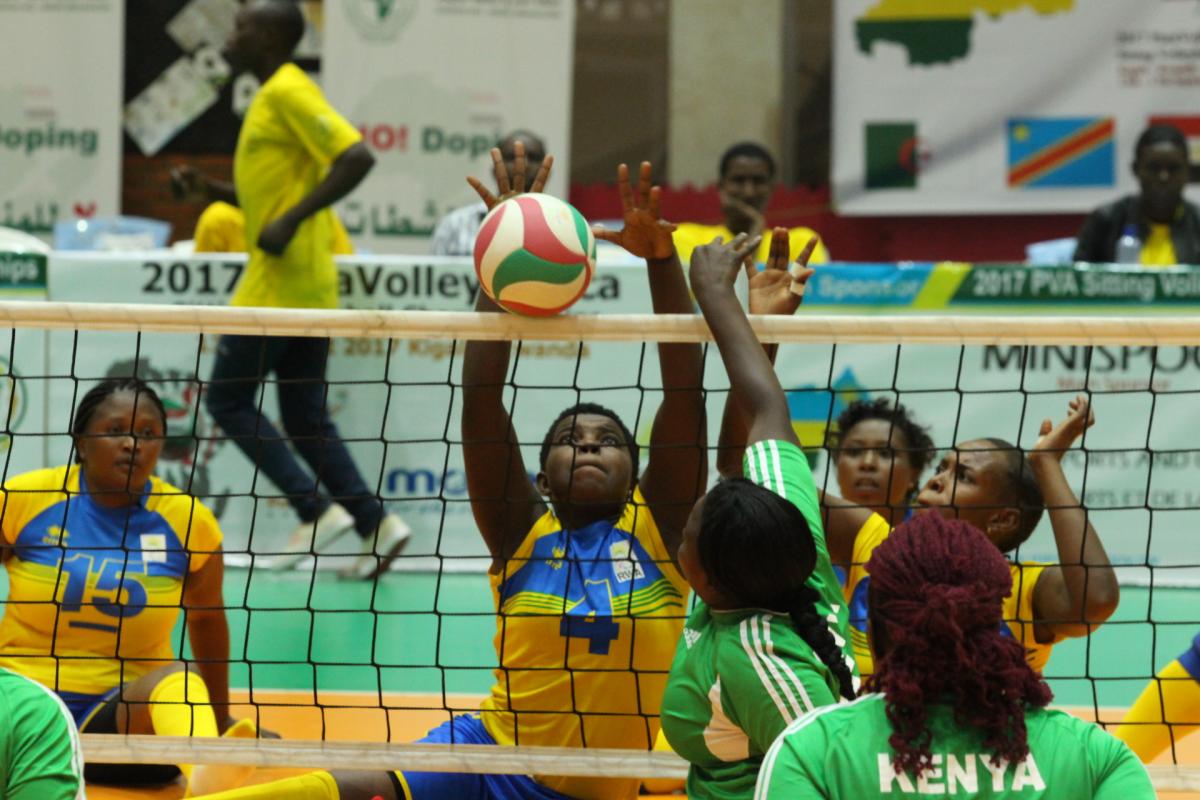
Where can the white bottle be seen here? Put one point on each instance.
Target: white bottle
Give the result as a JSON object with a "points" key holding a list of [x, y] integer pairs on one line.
{"points": [[1129, 247]]}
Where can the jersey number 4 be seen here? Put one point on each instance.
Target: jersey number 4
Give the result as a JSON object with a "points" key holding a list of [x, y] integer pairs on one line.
{"points": [[599, 631]]}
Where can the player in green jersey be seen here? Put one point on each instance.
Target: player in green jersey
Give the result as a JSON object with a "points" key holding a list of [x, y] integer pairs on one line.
{"points": [[958, 712], [40, 757], [767, 641]]}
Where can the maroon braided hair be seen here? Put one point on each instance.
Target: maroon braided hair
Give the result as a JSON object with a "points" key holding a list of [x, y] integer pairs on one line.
{"points": [[936, 598]]}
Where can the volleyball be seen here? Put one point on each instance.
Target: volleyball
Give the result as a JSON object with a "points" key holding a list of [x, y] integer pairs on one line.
{"points": [[535, 255]]}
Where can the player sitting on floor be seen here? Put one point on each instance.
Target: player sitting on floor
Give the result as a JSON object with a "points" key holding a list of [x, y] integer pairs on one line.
{"points": [[1167, 710], [589, 600], [959, 712], [764, 644], [990, 484], [101, 558]]}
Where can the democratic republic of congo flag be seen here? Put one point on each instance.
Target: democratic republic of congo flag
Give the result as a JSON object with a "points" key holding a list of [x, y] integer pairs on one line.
{"points": [[1061, 152]]}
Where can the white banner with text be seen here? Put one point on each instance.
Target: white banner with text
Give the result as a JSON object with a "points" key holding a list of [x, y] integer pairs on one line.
{"points": [[936, 113], [397, 402], [433, 85], [61, 73]]}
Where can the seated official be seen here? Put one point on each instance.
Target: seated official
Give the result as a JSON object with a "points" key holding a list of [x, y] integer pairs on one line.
{"points": [[745, 185], [1167, 225]]}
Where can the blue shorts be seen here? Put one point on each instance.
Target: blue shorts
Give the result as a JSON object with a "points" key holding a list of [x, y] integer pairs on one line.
{"points": [[468, 729], [1191, 658], [84, 706]]}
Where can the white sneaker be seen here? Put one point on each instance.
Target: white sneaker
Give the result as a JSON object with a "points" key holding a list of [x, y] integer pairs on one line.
{"points": [[312, 537], [380, 550]]}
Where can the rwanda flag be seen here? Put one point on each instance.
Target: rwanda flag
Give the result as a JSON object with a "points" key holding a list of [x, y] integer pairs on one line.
{"points": [[1046, 152], [891, 153]]}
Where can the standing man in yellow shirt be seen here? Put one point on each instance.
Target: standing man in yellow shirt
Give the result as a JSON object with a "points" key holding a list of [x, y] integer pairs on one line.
{"points": [[745, 184], [295, 157]]}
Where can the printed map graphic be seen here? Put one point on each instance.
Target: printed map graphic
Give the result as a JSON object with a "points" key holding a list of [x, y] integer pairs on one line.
{"points": [[938, 31]]}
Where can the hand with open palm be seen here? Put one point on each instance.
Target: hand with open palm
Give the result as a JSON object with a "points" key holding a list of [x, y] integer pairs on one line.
{"points": [[646, 234], [779, 288]]}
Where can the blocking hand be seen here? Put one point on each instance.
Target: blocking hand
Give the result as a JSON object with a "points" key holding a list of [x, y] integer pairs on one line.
{"points": [[511, 185], [778, 289], [646, 234]]}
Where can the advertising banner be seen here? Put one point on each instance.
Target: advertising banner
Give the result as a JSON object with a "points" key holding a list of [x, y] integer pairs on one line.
{"points": [[433, 85], [398, 402], [60, 123], [936, 113]]}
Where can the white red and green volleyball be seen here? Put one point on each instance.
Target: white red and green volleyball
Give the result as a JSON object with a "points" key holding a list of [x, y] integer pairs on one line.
{"points": [[535, 255]]}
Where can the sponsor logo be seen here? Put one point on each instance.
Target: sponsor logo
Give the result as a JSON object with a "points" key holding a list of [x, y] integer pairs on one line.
{"points": [[154, 548], [380, 20], [625, 563], [1061, 152], [815, 409]]}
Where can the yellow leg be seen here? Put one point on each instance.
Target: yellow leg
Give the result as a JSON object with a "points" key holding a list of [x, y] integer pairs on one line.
{"points": [[1167, 710], [179, 706], [313, 786]]}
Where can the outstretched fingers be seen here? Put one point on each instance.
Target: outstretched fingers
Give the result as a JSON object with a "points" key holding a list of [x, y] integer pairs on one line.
{"points": [[485, 195], [543, 174], [500, 171]]}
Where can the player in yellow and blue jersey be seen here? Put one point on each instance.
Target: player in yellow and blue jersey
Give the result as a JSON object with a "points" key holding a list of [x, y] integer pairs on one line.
{"points": [[101, 557], [589, 598]]}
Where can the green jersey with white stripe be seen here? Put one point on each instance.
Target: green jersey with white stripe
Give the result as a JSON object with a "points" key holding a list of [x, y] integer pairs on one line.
{"points": [[740, 677], [843, 751], [40, 756]]}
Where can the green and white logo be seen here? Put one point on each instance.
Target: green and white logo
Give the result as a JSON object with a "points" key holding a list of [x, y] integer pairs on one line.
{"points": [[380, 20]]}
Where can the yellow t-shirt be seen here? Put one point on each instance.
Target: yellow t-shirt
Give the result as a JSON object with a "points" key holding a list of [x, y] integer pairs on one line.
{"points": [[690, 235], [1018, 606], [289, 138], [222, 229], [94, 593], [1158, 250], [586, 628]]}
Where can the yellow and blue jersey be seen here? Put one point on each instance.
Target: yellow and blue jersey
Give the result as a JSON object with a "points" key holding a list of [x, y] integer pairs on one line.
{"points": [[586, 626], [1018, 606], [95, 592]]}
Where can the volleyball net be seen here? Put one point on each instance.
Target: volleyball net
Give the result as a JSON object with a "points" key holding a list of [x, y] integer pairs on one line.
{"points": [[363, 667]]}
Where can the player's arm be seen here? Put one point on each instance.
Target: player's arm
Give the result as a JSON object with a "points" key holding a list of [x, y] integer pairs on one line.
{"points": [[345, 174], [208, 631], [1081, 592], [189, 183], [503, 500], [779, 289], [44, 757], [677, 469]]}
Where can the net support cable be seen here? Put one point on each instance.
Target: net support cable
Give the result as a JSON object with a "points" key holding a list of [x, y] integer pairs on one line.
{"points": [[673, 328]]}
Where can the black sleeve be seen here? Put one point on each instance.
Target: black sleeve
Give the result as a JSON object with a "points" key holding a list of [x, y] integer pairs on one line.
{"points": [[1092, 244]]}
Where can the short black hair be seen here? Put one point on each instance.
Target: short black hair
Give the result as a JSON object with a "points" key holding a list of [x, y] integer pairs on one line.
{"points": [[758, 550], [286, 19], [1161, 134], [579, 409], [918, 443], [1023, 492], [96, 396], [522, 134], [746, 150]]}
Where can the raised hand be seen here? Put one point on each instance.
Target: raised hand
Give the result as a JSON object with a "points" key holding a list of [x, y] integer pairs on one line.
{"points": [[714, 265], [1054, 440], [511, 185], [645, 235], [779, 289]]}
